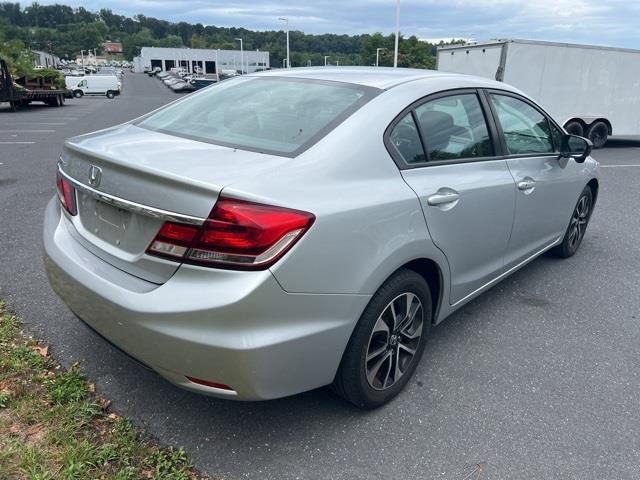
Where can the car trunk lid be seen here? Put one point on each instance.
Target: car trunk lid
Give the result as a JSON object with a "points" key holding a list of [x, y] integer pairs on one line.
{"points": [[130, 180]]}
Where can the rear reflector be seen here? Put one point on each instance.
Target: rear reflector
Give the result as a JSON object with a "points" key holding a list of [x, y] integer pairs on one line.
{"points": [[66, 194], [237, 234], [207, 383]]}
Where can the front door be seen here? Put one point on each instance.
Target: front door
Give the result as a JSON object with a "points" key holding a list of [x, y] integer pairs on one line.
{"points": [[547, 187], [466, 191]]}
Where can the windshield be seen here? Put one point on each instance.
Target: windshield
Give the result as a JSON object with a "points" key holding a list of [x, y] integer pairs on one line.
{"points": [[282, 116]]}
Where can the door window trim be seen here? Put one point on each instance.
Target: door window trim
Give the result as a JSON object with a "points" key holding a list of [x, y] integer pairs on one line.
{"points": [[488, 117], [486, 93]]}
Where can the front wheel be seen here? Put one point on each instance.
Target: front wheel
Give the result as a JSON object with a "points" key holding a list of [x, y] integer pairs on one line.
{"points": [[78, 93], [577, 226], [387, 343]]}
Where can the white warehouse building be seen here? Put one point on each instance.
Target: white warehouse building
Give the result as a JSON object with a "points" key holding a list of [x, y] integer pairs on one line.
{"points": [[207, 61]]}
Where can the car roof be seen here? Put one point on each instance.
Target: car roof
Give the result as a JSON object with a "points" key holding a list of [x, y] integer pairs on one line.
{"points": [[377, 77]]}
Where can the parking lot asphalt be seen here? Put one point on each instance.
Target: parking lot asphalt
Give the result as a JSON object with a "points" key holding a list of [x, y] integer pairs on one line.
{"points": [[537, 378]]}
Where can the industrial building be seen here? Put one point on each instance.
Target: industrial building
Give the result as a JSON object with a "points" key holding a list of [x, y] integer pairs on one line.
{"points": [[207, 61], [44, 59]]}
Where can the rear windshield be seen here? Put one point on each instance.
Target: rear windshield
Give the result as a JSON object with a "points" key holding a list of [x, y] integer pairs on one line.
{"points": [[276, 115]]}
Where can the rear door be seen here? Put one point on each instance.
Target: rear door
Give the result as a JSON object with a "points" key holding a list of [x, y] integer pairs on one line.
{"points": [[547, 187], [446, 150]]}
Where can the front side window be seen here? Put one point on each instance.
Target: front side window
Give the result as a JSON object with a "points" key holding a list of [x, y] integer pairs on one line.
{"points": [[454, 127], [526, 130], [268, 114]]}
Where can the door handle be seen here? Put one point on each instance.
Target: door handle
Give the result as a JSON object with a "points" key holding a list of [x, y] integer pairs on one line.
{"points": [[526, 184], [442, 198]]}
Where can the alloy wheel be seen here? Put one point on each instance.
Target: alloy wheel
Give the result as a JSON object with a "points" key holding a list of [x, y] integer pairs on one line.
{"points": [[394, 341], [579, 221]]}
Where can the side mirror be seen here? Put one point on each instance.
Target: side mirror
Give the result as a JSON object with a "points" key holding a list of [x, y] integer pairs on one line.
{"points": [[575, 147]]}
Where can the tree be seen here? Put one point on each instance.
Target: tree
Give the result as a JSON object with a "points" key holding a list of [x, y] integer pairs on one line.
{"points": [[198, 42], [65, 31]]}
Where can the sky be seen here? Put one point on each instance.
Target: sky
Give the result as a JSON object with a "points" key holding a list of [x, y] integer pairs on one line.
{"points": [[598, 22]]}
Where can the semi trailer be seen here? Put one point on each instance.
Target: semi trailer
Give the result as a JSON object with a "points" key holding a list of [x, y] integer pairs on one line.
{"points": [[593, 91]]}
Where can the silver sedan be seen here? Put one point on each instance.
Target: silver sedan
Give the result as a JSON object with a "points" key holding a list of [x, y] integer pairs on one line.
{"points": [[287, 230]]}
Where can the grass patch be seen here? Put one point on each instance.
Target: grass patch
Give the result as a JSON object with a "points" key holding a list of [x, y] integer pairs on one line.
{"points": [[53, 426]]}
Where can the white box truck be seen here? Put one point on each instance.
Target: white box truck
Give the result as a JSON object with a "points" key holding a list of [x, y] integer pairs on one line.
{"points": [[592, 91]]}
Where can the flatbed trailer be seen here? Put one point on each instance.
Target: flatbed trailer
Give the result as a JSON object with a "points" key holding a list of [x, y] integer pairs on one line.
{"points": [[31, 90]]}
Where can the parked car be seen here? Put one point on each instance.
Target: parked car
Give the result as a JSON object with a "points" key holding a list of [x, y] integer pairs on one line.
{"points": [[182, 87], [292, 229], [171, 80], [108, 85], [199, 82]]}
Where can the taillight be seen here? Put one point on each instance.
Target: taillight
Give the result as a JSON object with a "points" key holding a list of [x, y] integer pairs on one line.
{"points": [[66, 194], [208, 383], [237, 234]]}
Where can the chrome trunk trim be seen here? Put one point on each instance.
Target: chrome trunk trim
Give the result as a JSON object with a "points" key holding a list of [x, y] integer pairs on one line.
{"points": [[132, 206]]}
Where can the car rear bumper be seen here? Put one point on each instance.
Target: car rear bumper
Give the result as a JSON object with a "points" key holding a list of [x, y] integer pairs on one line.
{"points": [[240, 329]]}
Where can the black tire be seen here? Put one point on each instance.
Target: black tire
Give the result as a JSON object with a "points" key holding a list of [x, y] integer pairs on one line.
{"points": [[78, 93], [111, 94], [352, 381], [598, 132], [571, 243], [574, 127]]}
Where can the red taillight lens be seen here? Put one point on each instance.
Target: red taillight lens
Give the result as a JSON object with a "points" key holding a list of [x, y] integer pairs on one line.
{"points": [[208, 383], [66, 194], [237, 234]]}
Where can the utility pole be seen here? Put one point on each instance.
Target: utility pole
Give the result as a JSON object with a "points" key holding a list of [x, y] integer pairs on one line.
{"points": [[325, 59], [286, 20], [395, 54], [378, 50], [82, 56], [241, 57]]}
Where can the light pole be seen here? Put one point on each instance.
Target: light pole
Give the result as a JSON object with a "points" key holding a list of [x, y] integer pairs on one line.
{"points": [[325, 59], [241, 56], [395, 53], [378, 50], [286, 20], [82, 56]]}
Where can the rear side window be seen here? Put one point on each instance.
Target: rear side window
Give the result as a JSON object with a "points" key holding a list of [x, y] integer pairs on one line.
{"points": [[271, 115], [406, 140], [454, 127], [526, 130]]}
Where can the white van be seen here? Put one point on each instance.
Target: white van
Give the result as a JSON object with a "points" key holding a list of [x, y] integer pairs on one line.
{"points": [[70, 82], [97, 85]]}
